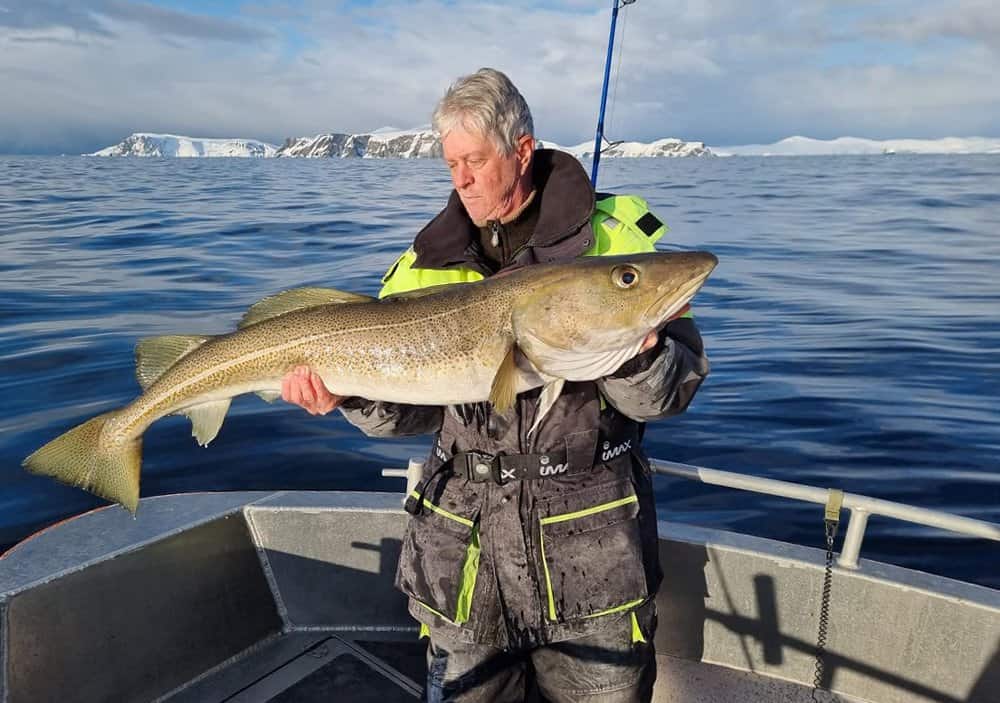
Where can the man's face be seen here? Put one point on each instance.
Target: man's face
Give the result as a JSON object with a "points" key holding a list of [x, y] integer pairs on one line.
{"points": [[486, 180]]}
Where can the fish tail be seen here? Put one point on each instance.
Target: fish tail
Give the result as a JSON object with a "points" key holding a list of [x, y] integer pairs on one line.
{"points": [[82, 458]]}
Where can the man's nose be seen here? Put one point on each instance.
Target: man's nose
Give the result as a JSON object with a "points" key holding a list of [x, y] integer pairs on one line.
{"points": [[461, 177]]}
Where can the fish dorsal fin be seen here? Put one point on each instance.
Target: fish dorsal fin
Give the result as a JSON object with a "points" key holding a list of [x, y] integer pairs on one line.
{"points": [[504, 388], [550, 394], [206, 419], [154, 355], [297, 299]]}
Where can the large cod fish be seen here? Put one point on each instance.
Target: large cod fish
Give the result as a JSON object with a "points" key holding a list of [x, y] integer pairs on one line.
{"points": [[490, 340]]}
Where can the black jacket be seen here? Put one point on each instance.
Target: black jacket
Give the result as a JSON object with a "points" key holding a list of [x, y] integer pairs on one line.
{"points": [[597, 561]]}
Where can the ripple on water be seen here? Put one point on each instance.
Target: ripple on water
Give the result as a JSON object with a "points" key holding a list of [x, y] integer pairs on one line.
{"points": [[851, 323]]}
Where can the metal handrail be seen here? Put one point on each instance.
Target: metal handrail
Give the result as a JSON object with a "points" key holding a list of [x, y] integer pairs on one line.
{"points": [[860, 506]]}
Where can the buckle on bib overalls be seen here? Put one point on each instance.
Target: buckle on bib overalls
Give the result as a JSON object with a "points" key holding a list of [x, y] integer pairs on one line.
{"points": [[481, 467]]}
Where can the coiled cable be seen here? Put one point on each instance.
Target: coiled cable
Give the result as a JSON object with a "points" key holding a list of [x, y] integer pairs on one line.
{"points": [[824, 611]]}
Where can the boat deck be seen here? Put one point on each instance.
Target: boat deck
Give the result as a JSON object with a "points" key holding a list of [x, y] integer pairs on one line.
{"points": [[307, 667], [256, 597], [314, 668]]}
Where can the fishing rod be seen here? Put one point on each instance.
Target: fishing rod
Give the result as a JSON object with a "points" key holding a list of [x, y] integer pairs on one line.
{"points": [[599, 138]]}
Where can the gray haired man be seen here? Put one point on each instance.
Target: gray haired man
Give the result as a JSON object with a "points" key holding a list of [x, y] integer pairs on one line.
{"points": [[530, 558]]}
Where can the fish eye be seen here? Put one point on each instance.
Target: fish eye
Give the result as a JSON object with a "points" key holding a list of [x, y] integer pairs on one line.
{"points": [[625, 277]]}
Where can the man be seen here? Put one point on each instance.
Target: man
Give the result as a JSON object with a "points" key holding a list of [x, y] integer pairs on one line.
{"points": [[530, 558]]}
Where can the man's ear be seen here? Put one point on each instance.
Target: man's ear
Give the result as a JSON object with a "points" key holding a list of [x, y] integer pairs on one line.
{"points": [[525, 150]]}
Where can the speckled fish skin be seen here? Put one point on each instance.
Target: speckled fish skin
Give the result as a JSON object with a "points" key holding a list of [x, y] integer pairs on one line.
{"points": [[576, 321]]}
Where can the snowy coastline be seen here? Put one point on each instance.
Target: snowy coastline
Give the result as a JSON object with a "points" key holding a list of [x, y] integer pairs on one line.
{"points": [[805, 146], [385, 143], [421, 142], [172, 145]]}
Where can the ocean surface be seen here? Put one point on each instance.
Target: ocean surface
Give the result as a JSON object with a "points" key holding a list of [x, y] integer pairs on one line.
{"points": [[853, 325]]}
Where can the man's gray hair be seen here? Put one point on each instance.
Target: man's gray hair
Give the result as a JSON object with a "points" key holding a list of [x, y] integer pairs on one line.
{"points": [[486, 103]]}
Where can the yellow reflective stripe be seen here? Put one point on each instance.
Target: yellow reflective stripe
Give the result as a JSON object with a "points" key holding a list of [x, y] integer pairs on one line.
{"points": [[548, 580], [470, 568], [571, 516], [441, 511], [618, 241], [637, 635], [402, 277], [424, 631], [617, 608], [615, 230], [407, 258], [589, 511]]}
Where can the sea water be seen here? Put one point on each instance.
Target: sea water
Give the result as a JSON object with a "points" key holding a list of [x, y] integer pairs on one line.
{"points": [[853, 325]]}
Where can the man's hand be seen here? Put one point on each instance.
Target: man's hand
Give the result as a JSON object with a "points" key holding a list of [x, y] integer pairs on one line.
{"points": [[650, 341], [303, 387]]}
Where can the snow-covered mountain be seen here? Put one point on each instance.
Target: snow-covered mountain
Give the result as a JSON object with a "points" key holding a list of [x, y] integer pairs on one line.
{"points": [[389, 142], [147, 144], [635, 150], [392, 143], [385, 143], [804, 146]]}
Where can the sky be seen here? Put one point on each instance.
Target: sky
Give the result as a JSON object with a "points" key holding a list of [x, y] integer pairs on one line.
{"points": [[79, 75]]}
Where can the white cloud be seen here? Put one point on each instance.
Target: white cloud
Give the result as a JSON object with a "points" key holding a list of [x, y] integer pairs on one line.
{"points": [[976, 20], [954, 95], [80, 77]]}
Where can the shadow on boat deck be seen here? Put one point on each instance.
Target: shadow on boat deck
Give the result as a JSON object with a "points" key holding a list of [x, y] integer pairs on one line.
{"points": [[173, 610]]}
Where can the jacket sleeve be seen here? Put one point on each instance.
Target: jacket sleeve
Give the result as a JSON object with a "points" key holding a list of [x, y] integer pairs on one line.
{"points": [[379, 419], [660, 381]]}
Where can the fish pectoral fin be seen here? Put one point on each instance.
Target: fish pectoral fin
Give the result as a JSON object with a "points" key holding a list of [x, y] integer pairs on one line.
{"points": [[297, 299], [550, 394], [154, 355], [504, 389], [206, 419], [269, 396]]}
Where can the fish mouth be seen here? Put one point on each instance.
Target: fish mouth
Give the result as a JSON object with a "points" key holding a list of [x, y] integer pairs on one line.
{"points": [[660, 311]]}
